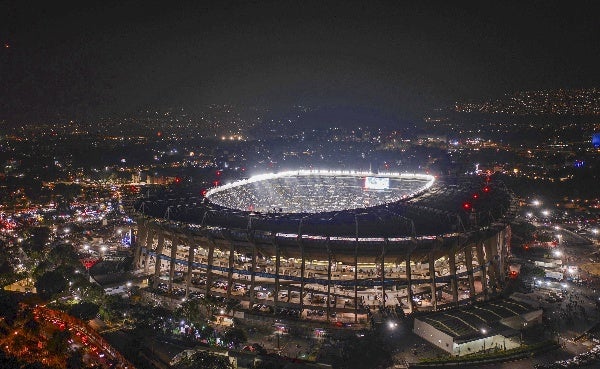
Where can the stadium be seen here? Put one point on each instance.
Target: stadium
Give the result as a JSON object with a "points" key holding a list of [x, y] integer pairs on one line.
{"points": [[330, 244]]}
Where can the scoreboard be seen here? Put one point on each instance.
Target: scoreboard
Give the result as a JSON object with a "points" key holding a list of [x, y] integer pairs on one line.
{"points": [[377, 183]]}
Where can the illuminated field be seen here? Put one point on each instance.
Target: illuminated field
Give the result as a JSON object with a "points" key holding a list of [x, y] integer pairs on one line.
{"points": [[318, 191]]}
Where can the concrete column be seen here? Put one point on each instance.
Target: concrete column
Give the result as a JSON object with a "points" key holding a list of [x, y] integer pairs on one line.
{"points": [[190, 268], [302, 269], [159, 249], [483, 268], [433, 284], [503, 254], [140, 239], [409, 293], [383, 274], [490, 253], [277, 262], [230, 271], [469, 262], [210, 260], [328, 300], [253, 275], [453, 277], [149, 244], [174, 244], [356, 282]]}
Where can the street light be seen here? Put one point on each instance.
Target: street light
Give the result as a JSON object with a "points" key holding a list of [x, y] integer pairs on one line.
{"points": [[483, 332]]}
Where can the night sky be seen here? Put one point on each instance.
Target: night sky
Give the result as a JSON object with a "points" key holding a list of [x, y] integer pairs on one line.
{"points": [[86, 59]]}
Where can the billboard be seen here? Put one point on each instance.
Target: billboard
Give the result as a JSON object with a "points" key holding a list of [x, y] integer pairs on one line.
{"points": [[596, 140], [377, 183]]}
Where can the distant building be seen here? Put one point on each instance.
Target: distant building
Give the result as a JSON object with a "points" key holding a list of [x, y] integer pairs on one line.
{"points": [[430, 139], [489, 326]]}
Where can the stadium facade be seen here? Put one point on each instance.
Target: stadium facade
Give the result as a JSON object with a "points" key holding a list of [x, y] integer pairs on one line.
{"points": [[403, 240]]}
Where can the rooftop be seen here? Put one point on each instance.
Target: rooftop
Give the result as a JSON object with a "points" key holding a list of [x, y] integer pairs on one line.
{"points": [[476, 320]]}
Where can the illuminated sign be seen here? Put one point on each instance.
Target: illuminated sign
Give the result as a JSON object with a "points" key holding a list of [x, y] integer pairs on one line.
{"points": [[596, 140], [377, 183]]}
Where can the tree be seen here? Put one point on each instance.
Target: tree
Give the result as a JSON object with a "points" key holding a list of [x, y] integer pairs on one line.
{"points": [[31, 327], [75, 360], [84, 310], [237, 336], [191, 312], [38, 237], [211, 304], [9, 307], [370, 351], [204, 360], [63, 254], [113, 307], [50, 283], [57, 343], [93, 293]]}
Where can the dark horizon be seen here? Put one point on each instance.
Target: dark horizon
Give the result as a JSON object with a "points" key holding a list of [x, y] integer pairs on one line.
{"points": [[85, 60]]}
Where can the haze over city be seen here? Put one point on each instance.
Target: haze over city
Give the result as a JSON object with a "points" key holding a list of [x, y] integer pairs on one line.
{"points": [[82, 59]]}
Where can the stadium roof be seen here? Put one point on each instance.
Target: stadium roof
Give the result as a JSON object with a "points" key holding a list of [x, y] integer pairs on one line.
{"points": [[438, 211]]}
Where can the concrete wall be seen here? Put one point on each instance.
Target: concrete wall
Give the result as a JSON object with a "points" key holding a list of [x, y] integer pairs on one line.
{"points": [[491, 343], [433, 335]]}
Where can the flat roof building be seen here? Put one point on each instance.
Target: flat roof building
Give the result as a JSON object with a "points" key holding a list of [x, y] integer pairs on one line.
{"points": [[491, 325]]}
